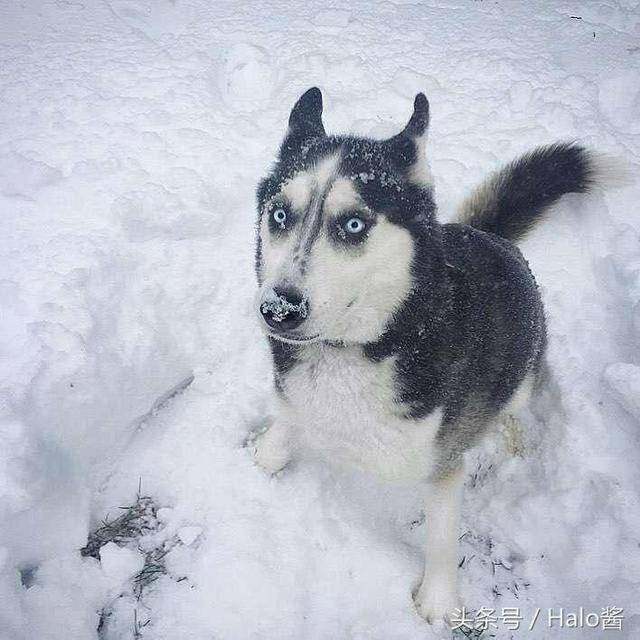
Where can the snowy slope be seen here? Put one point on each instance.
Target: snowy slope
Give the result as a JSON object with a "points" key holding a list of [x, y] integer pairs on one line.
{"points": [[133, 134]]}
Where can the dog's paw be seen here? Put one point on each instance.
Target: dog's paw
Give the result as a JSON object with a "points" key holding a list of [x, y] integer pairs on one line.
{"points": [[269, 454], [436, 603]]}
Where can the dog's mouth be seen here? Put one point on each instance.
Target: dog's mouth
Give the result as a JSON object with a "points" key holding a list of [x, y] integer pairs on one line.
{"points": [[293, 339]]}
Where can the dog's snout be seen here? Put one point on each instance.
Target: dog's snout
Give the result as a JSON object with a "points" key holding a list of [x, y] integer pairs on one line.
{"points": [[284, 309]]}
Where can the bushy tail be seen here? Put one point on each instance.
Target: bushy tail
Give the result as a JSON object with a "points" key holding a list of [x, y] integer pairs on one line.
{"points": [[511, 201]]}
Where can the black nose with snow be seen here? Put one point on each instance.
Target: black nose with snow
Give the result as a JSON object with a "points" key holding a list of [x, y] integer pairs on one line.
{"points": [[284, 309]]}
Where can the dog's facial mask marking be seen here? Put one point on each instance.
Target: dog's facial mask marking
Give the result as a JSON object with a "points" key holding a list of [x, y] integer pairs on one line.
{"points": [[331, 239]]}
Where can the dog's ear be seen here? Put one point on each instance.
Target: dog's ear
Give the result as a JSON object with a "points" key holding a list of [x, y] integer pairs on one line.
{"points": [[305, 121], [419, 121], [406, 149], [306, 115]]}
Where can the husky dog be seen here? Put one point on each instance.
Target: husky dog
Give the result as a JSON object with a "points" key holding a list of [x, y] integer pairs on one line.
{"points": [[396, 340]]}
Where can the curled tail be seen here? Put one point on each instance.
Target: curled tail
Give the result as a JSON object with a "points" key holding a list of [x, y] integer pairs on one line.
{"points": [[512, 200]]}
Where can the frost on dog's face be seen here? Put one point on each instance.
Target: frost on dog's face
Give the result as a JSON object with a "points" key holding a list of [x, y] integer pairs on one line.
{"points": [[338, 222]]}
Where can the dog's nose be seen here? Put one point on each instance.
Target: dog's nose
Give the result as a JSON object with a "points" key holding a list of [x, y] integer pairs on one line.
{"points": [[284, 309]]}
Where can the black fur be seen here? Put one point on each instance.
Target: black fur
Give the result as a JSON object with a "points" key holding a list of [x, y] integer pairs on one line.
{"points": [[516, 198], [401, 149], [305, 121], [284, 357], [475, 336]]}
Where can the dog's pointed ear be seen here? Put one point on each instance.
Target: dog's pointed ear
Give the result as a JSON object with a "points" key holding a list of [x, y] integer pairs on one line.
{"points": [[306, 115], [419, 121], [406, 149], [305, 120]]}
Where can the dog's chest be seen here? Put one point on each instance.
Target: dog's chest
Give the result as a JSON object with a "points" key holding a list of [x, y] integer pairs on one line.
{"points": [[345, 407]]}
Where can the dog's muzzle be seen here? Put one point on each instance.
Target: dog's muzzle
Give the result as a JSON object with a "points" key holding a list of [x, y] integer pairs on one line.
{"points": [[284, 309]]}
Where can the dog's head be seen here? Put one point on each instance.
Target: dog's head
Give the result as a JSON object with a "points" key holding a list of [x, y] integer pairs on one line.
{"points": [[338, 219]]}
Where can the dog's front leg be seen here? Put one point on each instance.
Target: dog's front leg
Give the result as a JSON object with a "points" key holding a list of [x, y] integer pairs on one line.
{"points": [[438, 594], [274, 447]]}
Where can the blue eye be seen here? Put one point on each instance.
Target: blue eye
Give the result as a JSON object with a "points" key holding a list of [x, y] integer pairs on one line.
{"points": [[354, 225], [279, 216]]}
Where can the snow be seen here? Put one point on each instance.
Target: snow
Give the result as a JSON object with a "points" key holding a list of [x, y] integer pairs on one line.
{"points": [[133, 135], [120, 564], [624, 381]]}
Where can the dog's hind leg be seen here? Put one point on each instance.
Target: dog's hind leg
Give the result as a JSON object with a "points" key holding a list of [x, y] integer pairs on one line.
{"points": [[438, 594]]}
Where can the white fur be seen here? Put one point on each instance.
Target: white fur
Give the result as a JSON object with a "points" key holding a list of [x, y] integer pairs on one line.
{"points": [[438, 594], [325, 170], [298, 190], [342, 406], [342, 196]]}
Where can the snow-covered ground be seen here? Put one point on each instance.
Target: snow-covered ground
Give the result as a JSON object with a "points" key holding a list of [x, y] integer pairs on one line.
{"points": [[132, 135]]}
